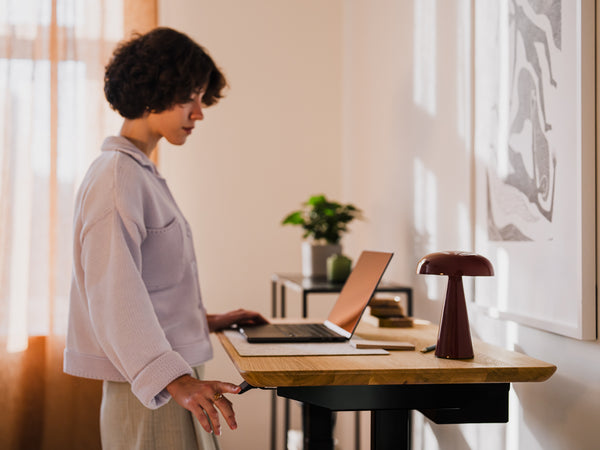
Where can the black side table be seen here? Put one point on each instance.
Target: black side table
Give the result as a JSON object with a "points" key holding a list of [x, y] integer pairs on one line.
{"points": [[320, 285], [307, 286]]}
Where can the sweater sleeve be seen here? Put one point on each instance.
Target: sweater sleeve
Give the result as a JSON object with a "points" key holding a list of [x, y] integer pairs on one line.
{"points": [[121, 312]]}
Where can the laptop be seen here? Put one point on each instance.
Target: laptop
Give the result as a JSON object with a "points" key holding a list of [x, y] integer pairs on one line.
{"points": [[343, 318]]}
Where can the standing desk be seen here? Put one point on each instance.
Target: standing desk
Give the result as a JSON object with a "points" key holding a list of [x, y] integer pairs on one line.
{"points": [[307, 286], [390, 386]]}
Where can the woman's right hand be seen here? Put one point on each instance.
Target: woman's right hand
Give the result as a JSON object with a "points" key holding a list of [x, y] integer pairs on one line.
{"points": [[204, 398]]}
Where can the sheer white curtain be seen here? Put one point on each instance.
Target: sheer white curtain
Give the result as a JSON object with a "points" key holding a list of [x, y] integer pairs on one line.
{"points": [[53, 117]]}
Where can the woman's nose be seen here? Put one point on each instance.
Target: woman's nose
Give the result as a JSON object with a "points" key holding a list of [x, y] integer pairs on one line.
{"points": [[197, 113]]}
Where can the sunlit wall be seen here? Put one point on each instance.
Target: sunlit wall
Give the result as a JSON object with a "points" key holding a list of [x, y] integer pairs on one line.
{"points": [[408, 161]]}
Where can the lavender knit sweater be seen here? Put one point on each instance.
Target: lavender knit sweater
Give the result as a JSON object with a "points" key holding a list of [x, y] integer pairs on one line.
{"points": [[136, 313]]}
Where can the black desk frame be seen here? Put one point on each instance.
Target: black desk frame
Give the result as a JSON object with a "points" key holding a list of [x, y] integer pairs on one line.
{"points": [[391, 406], [308, 286]]}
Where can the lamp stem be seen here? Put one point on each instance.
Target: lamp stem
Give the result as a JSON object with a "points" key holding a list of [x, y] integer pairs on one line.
{"points": [[454, 337]]}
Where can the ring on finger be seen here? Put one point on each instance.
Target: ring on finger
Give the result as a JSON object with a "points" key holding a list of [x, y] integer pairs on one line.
{"points": [[218, 396]]}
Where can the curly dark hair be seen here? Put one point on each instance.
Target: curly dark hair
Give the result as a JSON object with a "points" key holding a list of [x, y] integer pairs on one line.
{"points": [[157, 70]]}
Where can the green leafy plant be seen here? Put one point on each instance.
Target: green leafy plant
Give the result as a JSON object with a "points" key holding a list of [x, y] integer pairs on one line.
{"points": [[323, 219]]}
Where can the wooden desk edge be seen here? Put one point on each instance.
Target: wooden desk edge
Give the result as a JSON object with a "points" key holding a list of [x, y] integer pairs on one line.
{"points": [[541, 372]]}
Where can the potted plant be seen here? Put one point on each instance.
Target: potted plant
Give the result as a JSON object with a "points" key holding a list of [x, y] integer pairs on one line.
{"points": [[324, 222]]}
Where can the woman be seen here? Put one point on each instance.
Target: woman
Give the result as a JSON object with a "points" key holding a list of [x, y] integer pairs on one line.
{"points": [[136, 315]]}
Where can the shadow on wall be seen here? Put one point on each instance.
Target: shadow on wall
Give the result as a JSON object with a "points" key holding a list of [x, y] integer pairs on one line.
{"points": [[449, 437], [422, 287], [490, 436], [570, 422]]}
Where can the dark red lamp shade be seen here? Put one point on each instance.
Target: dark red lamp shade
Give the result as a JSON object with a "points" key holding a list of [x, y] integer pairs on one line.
{"points": [[454, 336]]}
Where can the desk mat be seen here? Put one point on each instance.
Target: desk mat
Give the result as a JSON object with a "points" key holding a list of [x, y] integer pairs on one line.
{"points": [[297, 349]]}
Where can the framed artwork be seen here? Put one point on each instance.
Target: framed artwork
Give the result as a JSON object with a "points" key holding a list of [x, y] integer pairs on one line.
{"points": [[535, 166]]}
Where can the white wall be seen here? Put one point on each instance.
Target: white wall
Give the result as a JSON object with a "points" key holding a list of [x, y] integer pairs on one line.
{"points": [[416, 189], [396, 141], [406, 136]]}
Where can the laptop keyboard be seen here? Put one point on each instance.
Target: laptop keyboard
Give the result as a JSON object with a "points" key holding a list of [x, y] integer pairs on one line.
{"points": [[310, 329]]}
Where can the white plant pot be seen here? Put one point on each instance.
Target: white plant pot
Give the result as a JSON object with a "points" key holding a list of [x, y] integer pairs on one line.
{"points": [[314, 258]]}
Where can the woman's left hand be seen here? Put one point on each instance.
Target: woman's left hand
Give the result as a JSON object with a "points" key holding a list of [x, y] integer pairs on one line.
{"points": [[240, 316], [205, 398]]}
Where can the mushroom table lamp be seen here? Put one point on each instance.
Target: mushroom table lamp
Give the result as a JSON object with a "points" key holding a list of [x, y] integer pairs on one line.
{"points": [[454, 336]]}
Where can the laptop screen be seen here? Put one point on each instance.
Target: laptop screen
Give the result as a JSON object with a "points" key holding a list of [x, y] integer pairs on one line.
{"points": [[358, 289]]}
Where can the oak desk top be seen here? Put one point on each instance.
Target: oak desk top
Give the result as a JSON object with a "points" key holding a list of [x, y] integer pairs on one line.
{"points": [[491, 364]]}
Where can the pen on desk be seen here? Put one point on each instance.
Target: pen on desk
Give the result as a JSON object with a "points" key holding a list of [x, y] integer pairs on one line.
{"points": [[428, 349]]}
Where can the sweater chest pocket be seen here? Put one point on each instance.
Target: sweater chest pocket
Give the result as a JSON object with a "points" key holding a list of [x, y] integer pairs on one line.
{"points": [[163, 256]]}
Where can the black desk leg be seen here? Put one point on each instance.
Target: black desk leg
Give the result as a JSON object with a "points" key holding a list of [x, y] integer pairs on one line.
{"points": [[282, 299], [286, 422], [356, 430], [317, 427], [304, 304], [273, 420], [273, 299], [391, 429]]}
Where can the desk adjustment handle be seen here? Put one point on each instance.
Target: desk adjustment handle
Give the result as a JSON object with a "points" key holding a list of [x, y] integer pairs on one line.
{"points": [[245, 386]]}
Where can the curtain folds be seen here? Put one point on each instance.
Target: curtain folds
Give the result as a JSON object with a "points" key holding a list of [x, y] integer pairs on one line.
{"points": [[42, 407], [53, 118]]}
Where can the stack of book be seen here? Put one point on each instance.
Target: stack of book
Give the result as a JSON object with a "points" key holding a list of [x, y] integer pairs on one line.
{"points": [[388, 312]]}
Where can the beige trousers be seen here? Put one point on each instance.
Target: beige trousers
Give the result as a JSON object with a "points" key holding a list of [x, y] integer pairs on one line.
{"points": [[126, 424]]}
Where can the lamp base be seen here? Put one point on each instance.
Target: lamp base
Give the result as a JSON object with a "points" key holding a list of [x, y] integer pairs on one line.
{"points": [[454, 336]]}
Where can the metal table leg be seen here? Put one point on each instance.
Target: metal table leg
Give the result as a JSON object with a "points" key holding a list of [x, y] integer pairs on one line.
{"points": [[317, 427], [391, 429]]}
